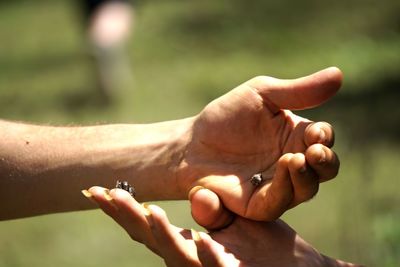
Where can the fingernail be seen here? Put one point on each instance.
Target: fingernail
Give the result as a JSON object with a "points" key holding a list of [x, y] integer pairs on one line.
{"points": [[195, 235], [109, 198], [147, 213], [322, 158], [146, 210], [194, 190], [87, 193], [107, 195], [321, 137]]}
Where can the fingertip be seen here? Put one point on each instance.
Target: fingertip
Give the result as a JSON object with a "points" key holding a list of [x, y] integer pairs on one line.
{"points": [[304, 180], [298, 165], [316, 154], [96, 190], [336, 76], [208, 210], [100, 194], [202, 240], [156, 211], [194, 190], [298, 162], [323, 161], [284, 160], [297, 94], [120, 195], [86, 193], [156, 217], [195, 235], [332, 77], [320, 86], [319, 133]]}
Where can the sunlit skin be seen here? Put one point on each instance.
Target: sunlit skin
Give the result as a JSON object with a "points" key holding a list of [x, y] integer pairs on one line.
{"points": [[246, 131], [251, 130], [243, 243]]}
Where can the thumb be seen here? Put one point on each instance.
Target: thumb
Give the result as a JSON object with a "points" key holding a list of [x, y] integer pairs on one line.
{"points": [[302, 93], [208, 210]]}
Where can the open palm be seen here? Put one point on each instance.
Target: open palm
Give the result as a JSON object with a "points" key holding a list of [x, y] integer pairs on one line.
{"points": [[252, 130]]}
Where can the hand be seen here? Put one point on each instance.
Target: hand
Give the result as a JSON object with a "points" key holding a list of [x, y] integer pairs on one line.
{"points": [[249, 130], [243, 243]]}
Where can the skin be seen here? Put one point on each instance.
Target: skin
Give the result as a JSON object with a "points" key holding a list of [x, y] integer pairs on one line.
{"points": [[242, 243], [246, 131], [252, 132]]}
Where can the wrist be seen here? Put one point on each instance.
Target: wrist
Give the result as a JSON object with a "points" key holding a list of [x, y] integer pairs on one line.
{"points": [[156, 157], [145, 155]]}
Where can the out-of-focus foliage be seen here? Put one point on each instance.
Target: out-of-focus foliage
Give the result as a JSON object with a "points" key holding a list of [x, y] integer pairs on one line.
{"points": [[184, 55]]}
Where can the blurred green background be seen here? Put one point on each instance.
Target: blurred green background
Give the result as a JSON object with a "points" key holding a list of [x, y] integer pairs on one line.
{"points": [[185, 54]]}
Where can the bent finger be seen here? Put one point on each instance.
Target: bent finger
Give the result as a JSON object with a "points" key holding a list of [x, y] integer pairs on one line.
{"points": [[305, 181], [173, 247], [319, 133], [272, 200], [103, 199], [323, 161], [207, 209]]}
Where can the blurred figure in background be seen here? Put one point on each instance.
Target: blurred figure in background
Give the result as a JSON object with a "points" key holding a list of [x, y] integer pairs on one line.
{"points": [[108, 27]]}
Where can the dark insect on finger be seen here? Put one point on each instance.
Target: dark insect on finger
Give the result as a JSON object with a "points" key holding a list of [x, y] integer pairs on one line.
{"points": [[126, 186], [256, 179]]}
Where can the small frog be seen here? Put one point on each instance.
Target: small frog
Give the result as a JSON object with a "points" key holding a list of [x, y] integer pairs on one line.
{"points": [[126, 186], [257, 179]]}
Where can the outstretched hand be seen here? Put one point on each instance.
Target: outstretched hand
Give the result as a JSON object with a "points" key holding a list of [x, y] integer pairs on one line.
{"points": [[243, 243], [251, 130]]}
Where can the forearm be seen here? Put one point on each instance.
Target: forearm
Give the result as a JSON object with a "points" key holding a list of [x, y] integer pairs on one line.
{"points": [[43, 169]]}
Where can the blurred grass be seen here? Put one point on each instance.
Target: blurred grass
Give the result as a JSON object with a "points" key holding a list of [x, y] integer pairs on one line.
{"points": [[184, 55]]}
